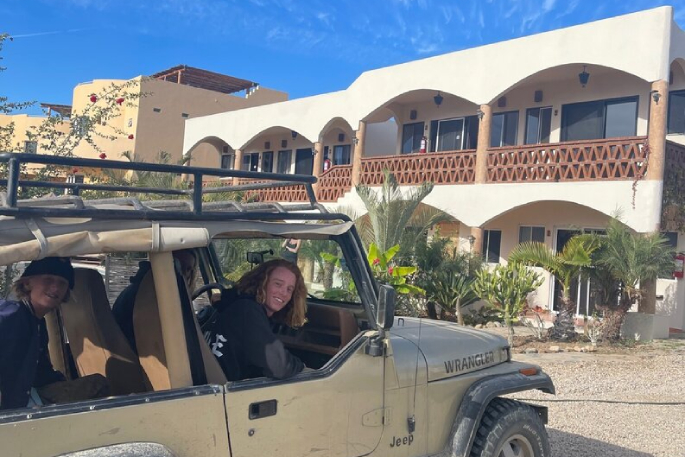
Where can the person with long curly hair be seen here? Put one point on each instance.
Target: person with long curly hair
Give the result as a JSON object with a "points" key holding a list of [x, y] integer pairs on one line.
{"points": [[240, 336]]}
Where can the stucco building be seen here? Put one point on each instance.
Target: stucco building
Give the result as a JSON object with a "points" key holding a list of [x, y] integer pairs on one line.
{"points": [[529, 139]]}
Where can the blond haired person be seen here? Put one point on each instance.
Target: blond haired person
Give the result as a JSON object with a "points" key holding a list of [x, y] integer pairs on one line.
{"points": [[24, 359], [240, 336]]}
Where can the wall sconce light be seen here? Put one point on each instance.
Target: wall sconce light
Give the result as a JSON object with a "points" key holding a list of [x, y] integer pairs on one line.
{"points": [[355, 140], [480, 114], [294, 134], [656, 96], [438, 99], [584, 77], [472, 239]]}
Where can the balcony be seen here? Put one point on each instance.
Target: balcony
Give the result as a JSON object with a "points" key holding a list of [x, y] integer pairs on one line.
{"points": [[590, 160], [611, 159]]}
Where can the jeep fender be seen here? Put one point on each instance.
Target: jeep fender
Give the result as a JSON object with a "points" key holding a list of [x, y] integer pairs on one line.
{"points": [[477, 398], [124, 450]]}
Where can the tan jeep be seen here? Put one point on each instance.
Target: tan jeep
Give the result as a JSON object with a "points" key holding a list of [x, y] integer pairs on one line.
{"points": [[378, 384]]}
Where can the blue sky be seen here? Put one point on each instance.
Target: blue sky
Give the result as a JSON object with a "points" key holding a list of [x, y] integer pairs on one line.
{"points": [[301, 47]]}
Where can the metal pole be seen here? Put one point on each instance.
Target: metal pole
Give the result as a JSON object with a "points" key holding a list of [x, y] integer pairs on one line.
{"points": [[12, 183], [197, 193]]}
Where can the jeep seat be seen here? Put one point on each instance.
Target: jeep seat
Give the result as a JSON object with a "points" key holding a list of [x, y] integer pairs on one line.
{"points": [[150, 343], [96, 341]]}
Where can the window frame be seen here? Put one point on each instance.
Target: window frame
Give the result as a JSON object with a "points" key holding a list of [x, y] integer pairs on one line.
{"points": [[485, 248], [669, 131], [504, 129], [539, 137], [416, 146], [605, 103], [532, 228]]}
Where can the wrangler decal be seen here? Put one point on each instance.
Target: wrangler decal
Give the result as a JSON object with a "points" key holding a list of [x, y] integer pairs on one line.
{"points": [[468, 362]]}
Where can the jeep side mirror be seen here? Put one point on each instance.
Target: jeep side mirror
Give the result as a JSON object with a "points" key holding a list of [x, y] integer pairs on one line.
{"points": [[386, 306]]}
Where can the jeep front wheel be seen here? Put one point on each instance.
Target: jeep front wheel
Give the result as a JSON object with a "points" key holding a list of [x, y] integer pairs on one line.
{"points": [[510, 429]]}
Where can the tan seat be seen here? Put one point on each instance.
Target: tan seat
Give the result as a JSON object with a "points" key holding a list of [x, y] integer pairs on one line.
{"points": [[150, 343], [97, 343], [339, 322]]}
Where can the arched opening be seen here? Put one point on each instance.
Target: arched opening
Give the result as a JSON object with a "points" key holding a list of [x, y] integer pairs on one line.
{"points": [[278, 149], [553, 105], [424, 120], [211, 152], [338, 141]]}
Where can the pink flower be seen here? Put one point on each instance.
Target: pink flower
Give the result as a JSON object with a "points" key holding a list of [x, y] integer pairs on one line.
{"points": [[390, 270], [130, 137], [74, 170], [93, 98], [376, 261], [120, 100], [103, 155]]}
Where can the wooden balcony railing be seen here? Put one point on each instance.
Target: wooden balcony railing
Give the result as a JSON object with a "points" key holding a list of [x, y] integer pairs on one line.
{"points": [[610, 159], [276, 194], [453, 167], [334, 183]]}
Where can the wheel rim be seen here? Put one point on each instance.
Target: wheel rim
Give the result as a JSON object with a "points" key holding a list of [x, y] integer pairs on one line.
{"points": [[516, 446]]}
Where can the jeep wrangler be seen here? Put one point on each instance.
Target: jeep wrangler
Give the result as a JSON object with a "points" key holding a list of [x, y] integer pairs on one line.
{"points": [[376, 384]]}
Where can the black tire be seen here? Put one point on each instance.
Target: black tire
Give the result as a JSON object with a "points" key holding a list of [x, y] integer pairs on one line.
{"points": [[510, 428]]}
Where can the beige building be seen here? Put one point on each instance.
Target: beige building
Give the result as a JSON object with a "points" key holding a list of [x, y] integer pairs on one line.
{"points": [[152, 118], [528, 139]]}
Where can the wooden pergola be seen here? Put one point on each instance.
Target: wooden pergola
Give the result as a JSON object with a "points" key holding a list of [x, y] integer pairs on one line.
{"points": [[204, 79], [63, 110]]}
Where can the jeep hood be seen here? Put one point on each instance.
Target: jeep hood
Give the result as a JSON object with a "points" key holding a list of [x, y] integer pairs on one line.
{"points": [[451, 349]]}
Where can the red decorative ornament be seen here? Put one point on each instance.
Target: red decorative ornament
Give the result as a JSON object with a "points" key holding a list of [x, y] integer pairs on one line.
{"points": [[74, 170], [130, 137], [103, 155], [93, 98], [390, 270], [376, 261], [120, 100]]}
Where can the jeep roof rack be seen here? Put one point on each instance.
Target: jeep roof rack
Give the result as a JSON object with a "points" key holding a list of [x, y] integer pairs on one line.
{"points": [[192, 208]]}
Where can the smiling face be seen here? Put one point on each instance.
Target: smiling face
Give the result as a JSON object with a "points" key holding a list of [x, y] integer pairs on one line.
{"points": [[279, 290], [46, 292]]}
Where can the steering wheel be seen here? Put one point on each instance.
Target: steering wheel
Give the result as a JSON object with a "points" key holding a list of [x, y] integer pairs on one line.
{"points": [[202, 289]]}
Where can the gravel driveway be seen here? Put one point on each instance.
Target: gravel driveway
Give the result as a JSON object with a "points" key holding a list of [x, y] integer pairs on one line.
{"points": [[615, 405]]}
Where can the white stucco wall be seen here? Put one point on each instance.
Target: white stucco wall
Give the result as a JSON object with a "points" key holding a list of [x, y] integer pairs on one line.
{"points": [[639, 44]]}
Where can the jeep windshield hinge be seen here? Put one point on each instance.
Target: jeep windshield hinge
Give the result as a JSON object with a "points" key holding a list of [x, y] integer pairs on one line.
{"points": [[376, 346]]}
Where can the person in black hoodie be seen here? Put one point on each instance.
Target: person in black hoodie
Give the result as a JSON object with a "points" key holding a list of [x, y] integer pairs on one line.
{"points": [[24, 358], [123, 305], [240, 334]]}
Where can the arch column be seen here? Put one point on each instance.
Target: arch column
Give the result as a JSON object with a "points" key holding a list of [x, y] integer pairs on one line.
{"points": [[477, 246], [318, 163], [238, 161], [658, 115], [484, 126], [360, 138]]}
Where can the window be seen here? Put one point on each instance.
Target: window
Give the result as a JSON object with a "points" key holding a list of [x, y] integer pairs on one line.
{"points": [[75, 179], [80, 125], [504, 129], [676, 112], [284, 159], [31, 147], [599, 119], [535, 234], [227, 161], [538, 125], [250, 162], [341, 154], [492, 239], [454, 134], [268, 161], [411, 137], [672, 238]]}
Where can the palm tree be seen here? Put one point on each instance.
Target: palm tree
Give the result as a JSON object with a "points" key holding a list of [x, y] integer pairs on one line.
{"points": [[390, 212], [566, 266], [625, 262]]}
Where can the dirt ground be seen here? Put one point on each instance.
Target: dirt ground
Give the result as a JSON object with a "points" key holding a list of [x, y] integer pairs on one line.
{"points": [[524, 340]]}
